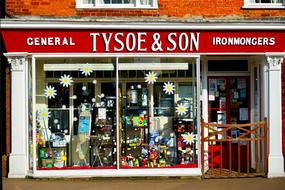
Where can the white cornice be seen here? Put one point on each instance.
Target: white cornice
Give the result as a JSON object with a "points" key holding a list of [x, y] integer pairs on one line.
{"points": [[24, 24]]}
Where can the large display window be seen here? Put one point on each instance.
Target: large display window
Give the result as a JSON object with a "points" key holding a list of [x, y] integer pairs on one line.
{"points": [[76, 113], [158, 124], [79, 101]]}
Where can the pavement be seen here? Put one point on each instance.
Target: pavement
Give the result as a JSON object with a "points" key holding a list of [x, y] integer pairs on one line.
{"points": [[145, 184]]}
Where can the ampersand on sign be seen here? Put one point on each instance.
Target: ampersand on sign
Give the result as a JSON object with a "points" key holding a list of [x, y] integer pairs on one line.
{"points": [[157, 45]]}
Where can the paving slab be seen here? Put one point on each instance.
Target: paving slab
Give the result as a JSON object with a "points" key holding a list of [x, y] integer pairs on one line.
{"points": [[145, 184]]}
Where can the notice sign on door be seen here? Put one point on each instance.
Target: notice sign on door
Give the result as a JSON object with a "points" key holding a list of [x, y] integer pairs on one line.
{"points": [[243, 114]]}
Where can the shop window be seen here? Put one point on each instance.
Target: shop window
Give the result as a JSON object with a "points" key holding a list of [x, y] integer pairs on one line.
{"points": [[75, 108], [264, 4], [116, 3], [156, 112]]}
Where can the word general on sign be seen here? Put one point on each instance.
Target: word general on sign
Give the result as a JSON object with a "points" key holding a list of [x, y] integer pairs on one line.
{"points": [[144, 42], [50, 41]]}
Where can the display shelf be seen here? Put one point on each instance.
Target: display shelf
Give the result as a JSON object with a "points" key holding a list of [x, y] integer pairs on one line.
{"points": [[136, 107], [138, 127], [50, 157], [135, 120]]}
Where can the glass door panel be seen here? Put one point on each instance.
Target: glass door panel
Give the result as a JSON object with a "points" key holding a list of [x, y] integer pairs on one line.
{"points": [[229, 100]]}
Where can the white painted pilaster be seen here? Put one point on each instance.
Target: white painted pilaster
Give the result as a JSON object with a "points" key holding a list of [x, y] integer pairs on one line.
{"points": [[18, 157], [275, 159], [205, 107]]}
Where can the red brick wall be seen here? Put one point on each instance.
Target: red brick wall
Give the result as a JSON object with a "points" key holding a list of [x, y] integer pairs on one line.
{"points": [[172, 8]]}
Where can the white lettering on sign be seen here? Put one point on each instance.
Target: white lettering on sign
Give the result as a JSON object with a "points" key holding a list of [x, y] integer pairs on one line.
{"points": [[50, 41], [141, 42], [244, 41], [120, 41], [186, 41]]}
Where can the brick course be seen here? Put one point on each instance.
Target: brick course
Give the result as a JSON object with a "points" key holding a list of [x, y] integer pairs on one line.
{"points": [[181, 8]]}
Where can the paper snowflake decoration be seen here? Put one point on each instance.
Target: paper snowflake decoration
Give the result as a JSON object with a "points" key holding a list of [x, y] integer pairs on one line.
{"points": [[43, 114], [50, 92], [65, 80], [181, 109], [168, 88], [188, 138], [86, 69], [151, 77]]}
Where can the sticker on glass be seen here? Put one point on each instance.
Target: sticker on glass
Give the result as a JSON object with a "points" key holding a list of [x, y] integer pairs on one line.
{"points": [[181, 109], [168, 88], [188, 138], [66, 80], [50, 92], [151, 77], [86, 69], [43, 114]]}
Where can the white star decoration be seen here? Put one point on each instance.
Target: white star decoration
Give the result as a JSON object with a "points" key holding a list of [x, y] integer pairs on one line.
{"points": [[43, 114], [86, 69], [181, 109], [168, 88], [50, 92], [65, 80], [188, 138], [151, 77]]}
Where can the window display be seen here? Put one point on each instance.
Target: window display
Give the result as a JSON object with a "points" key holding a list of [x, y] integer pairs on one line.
{"points": [[158, 123], [76, 105], [76, 108]]}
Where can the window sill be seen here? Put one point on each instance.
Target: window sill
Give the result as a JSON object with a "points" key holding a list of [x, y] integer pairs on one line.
{"points": [[115, 7], [258, 6]]}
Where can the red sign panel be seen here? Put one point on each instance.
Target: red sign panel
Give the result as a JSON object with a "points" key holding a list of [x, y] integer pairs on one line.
{"points": [[136, 41]]}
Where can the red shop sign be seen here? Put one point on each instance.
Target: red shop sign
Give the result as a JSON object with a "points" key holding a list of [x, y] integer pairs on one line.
{"points": [[138, 41]]}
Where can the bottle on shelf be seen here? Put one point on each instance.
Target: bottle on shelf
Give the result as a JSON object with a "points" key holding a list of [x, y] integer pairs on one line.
{"points": [[144, 97]]}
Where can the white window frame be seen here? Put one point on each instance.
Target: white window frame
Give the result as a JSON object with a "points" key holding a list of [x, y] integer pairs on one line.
{"points": [[98, 5], [250, 4]]}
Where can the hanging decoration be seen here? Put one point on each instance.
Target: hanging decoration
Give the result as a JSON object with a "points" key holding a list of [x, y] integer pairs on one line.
{"points": [[86, 69], [168, 88], [151, 77], [188, 138], [50, 92], [181, 109], [66, 80]]}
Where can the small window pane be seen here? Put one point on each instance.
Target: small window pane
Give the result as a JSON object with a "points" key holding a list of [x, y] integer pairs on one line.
{"points": [[88, 1]]}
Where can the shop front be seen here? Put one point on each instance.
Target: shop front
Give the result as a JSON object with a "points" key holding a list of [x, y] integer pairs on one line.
{"points": [[109, 102]]}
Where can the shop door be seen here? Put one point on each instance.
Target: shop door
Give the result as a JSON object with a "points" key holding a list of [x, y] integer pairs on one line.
{"points": [[229, 100], [229, 103]]}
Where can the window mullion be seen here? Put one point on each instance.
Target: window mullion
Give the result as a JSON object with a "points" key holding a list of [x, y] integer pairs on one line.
{"points": [[137, 3]]}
